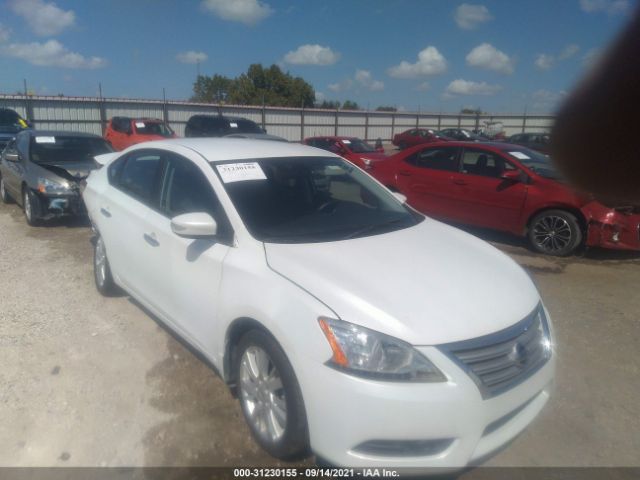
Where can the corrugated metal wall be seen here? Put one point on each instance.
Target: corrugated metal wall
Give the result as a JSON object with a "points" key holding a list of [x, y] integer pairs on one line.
{"points": [[89, 114]]}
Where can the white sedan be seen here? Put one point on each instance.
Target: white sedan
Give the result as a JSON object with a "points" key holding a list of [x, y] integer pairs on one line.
{"points": [[348, 324]]}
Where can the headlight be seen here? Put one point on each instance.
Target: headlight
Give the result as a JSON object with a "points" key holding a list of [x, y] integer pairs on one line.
{"points": [[46, 185], [367, 353]]}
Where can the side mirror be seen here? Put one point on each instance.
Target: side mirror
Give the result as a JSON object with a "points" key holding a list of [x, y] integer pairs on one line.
{"points": [[12, 157], [512, 175], [194, 225], [400, 197]]}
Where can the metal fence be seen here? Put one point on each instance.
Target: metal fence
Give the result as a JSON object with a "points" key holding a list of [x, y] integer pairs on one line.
{"points": [[90, 114]]}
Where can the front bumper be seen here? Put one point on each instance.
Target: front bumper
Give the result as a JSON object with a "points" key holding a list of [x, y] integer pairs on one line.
{"points": [[609, 228], [345, 412], [55, 206]]}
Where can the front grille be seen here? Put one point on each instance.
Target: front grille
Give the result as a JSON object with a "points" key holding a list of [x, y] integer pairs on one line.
{"points": [[499, 361]]}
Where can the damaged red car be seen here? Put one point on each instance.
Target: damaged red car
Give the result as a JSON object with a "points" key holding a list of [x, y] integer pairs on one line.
{"points": [[509, 188]]}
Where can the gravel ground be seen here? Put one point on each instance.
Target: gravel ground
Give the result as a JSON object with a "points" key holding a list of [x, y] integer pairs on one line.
{"points": [[88, 381]]}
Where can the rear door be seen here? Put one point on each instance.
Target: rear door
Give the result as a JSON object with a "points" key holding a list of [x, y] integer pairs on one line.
{"points": [[130, 215], [427, 178], [489, 201]]}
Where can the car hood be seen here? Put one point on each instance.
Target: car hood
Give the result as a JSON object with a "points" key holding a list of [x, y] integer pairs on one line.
{"points": [[428, 284], [70, 170]]}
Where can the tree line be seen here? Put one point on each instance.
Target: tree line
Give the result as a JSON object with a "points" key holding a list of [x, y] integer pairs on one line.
{"points": [[265, 86]]}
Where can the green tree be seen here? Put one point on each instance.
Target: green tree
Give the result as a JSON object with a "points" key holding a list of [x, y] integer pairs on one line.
{"points": [[386, 108], [329, 104], [471, 111], [350, 105], [258, 85]]}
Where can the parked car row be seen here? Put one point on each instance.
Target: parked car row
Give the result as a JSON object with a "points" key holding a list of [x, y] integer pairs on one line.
{"points": [[266, 257]]}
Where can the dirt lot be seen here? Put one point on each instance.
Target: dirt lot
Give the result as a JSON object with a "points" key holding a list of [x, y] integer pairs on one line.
{"points": [[87, 380]]}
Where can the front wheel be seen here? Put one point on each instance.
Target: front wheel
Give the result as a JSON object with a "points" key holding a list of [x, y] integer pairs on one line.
{"points": [[270, 396], [30, 204], [555, 232], [4, 195]]}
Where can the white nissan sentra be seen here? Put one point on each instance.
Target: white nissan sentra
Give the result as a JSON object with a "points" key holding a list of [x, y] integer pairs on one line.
{"points": [[348, 324]]}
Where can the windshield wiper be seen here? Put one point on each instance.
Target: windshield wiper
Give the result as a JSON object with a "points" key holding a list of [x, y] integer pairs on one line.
{"points": [[373, 227]]}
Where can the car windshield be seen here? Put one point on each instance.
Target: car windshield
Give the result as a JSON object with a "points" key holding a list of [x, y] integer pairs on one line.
{"points": [[538, 162], [358, 146], [153, 128], [57, 149], [310, 199]]}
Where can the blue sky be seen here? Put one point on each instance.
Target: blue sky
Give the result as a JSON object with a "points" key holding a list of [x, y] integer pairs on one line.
{"points": [[431, 55]]}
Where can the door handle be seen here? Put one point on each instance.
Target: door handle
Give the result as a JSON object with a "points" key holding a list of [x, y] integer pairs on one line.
{"points": [[404, 173], [458, 181], [151, 239], [105, 212]]}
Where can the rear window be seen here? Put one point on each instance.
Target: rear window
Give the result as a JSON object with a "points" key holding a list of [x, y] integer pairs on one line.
{"points": [[58, 149]]}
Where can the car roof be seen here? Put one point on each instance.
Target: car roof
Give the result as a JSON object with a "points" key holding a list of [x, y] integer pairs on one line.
{"points": [[57, 133], [225, 148]]}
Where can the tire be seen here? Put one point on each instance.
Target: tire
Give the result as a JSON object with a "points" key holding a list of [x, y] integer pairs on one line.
{"points": [[555, 232], [4, 195], [30, 205], [266, 386], [102, 271]]}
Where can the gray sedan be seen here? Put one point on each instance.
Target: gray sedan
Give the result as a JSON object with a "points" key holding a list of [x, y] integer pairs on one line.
{"points": [[42, 171]]}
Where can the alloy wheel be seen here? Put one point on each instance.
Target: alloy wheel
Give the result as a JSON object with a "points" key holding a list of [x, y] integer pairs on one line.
{"points": [[552, 233], [262, 394], [27, 206], [100, 262]]}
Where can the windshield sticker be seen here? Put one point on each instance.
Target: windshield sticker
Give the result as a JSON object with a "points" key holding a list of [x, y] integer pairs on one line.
{"points": [[240, 172], [346, 141], [520, 155], [233, 125], [139, 124], [45, 139]]}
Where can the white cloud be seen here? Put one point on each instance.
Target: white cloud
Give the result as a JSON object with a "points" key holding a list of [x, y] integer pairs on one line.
{"points": [[430, 62], [320, 97], [51, 54], [568, 51], [546, 99], [249, 12], [469, 16], [365, 79], [544, 61], [611, 7], [490, 58], [44, 19], [192, 57], [340, 86], [5, 33], [467, 87], [423, 87], [312, 55]]}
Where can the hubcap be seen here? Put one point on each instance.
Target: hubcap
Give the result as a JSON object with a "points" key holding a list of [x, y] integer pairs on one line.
{"points": [[100, 262], [262, 394], [27, 206], [552, 233]]}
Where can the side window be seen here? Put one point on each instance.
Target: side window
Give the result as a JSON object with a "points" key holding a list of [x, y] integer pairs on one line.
{"points": [[445, 158], [115, 170], [516, 138], [139, 176], [185, 189], [483, 163]]}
